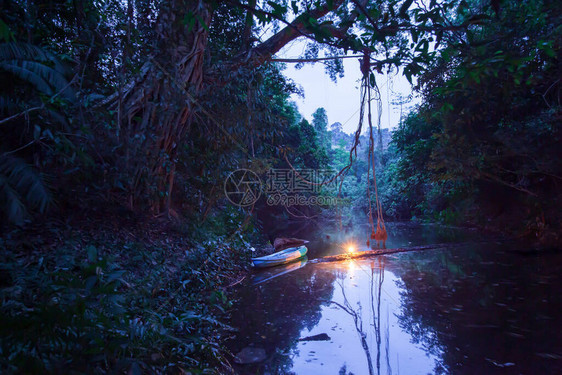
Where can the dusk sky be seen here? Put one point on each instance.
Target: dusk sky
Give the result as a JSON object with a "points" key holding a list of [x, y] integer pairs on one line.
{"points": [[341, 99]]}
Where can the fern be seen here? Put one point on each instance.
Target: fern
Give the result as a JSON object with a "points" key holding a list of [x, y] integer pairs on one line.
{"points": [[21, 189]]}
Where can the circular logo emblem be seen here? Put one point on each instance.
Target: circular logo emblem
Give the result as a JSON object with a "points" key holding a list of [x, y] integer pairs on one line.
{"points": [[242, 187]]}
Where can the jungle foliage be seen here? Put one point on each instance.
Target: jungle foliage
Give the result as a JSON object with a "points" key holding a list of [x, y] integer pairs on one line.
{"points": [[483, 146], [148, 104], [119, 113]]}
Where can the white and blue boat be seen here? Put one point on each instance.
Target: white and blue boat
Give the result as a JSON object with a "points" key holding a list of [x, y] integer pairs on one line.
{"points": [[282, 257]]}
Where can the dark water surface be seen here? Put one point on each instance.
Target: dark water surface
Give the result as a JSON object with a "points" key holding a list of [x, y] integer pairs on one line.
{"points": [[473, 308]]}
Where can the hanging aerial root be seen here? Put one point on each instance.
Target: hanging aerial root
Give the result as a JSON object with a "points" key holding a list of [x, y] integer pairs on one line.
{"points": [[379, 233]]}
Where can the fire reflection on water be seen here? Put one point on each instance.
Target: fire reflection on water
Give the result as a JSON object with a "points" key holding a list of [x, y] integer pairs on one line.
{"points": [[376, 281]]}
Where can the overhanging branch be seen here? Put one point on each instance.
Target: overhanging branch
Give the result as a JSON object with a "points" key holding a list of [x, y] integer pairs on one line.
{"points": [[298, 60], [297, 28]]}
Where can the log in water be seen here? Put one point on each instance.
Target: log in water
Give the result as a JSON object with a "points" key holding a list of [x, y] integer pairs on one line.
{"points": [[371, 253]]}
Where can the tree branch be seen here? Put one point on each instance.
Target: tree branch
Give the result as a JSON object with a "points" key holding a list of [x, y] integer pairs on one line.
{"points": [[298, 27], [27, 111], [491, 177], [315, 59], [361, 6], [249, 23], [265, 50]]}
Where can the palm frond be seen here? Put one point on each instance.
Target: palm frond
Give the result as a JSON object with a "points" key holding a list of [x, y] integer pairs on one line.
{"points": [[43, 77], [11, 203], [21, 188], [28, 75], [36, 66], [29, 52]]}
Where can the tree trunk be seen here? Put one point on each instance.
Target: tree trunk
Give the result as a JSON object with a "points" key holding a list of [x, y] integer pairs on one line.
{"points": [[158, 107]]}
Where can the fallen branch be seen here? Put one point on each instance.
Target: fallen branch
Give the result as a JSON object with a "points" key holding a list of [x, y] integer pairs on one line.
{"points": [[371, 253], [236, 282]]}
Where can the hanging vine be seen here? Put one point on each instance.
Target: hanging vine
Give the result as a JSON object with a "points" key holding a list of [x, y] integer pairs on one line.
{"points": [[368, 85]]}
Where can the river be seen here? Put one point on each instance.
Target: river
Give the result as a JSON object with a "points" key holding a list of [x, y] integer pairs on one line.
{"points": [[479, 306]]}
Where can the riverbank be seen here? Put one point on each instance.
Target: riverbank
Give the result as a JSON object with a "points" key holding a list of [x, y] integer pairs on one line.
{"points": [[101, 292], [114, 293]]}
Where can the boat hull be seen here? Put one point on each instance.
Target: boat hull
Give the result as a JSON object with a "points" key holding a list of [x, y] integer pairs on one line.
{"points": [[281, 257]]}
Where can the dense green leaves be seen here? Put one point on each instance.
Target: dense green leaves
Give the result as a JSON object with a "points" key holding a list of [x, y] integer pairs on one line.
{"points": [[486, 137], [81, 310], [306, 146], [169, 97]]}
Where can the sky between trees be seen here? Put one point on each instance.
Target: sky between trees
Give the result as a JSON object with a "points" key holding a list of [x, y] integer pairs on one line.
{"points": [[341, 98]]}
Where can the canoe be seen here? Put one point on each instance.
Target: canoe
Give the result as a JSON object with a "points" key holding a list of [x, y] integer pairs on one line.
{"points": [[281, 257]]}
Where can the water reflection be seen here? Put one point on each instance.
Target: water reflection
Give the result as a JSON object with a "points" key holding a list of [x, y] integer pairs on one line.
{"points": [[484, 310], [263, 275], [376, 284], [473, 309], [272, 314], [354, 303]]}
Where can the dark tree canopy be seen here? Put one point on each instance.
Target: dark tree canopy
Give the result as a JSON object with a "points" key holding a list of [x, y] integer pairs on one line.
{"points": [[120, 122]]}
